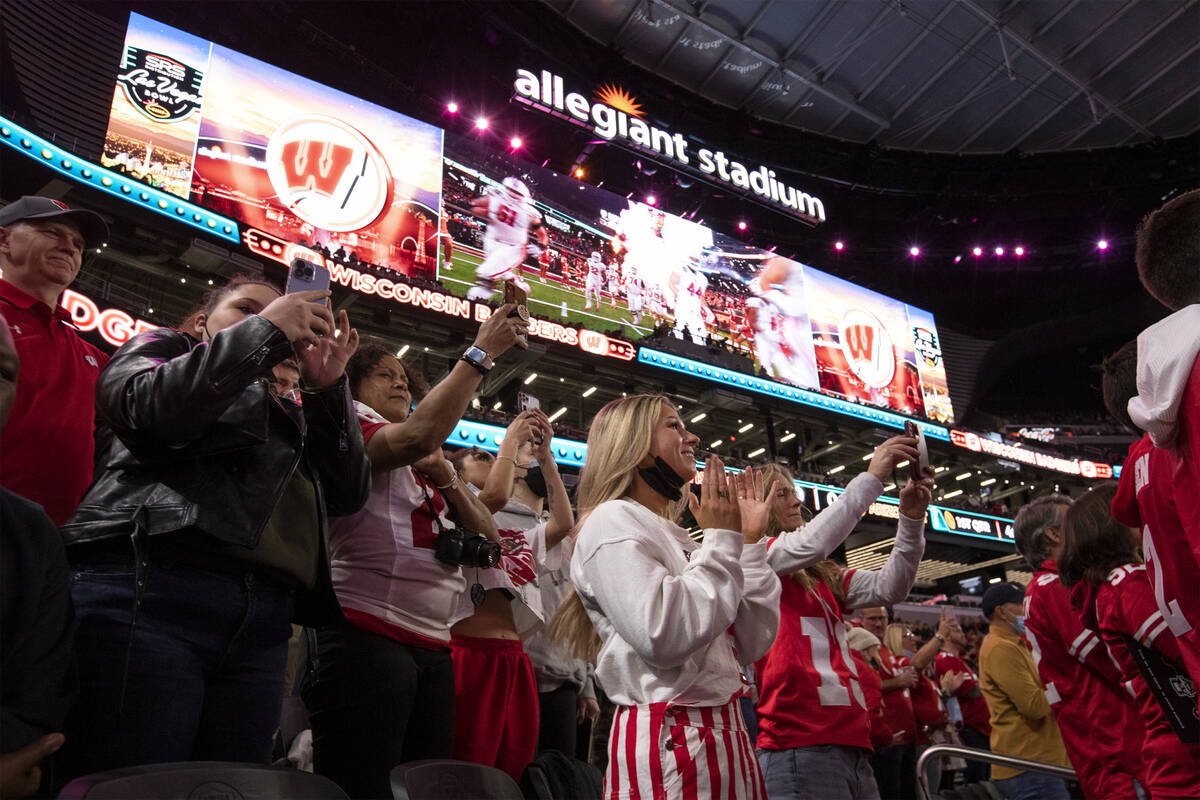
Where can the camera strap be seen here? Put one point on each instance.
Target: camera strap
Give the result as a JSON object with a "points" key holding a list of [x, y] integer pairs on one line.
{"points": [[478, 593]]}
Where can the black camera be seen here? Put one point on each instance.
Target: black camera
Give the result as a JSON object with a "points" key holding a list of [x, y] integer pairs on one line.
{"points": [[460, 548]]}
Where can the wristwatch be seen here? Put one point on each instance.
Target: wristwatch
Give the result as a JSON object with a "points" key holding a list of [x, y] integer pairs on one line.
{"points": [[477, 358]]}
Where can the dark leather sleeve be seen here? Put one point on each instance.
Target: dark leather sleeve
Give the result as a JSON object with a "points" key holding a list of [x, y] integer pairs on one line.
{"points": [[335, 448], [162, 389]]}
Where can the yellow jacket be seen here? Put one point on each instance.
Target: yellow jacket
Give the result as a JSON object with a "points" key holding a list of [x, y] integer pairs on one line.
{"points": [[1022, 724]]}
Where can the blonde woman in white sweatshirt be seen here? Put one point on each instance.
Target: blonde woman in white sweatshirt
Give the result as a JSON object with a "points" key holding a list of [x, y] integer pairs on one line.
{"points": [[668, 621]]}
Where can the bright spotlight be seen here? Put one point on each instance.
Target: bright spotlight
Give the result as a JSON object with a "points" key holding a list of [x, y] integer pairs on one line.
{"points": [[1018, 251], [839, 246], [742, 225], [651, 200], [1102, 244], [999, 251], [977, 251], [914, 251], [481, 123], [452, 107], [515, 143], [579, 172]]}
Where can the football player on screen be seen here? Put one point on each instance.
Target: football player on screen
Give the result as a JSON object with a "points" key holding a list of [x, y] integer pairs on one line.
{"points": [[594, 281], [692, 313], [510, 216]]}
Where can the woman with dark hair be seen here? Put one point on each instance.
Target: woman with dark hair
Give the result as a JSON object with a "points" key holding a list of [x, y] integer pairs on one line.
{"points": [[382, 689], [203, 533], [1102, 560]]}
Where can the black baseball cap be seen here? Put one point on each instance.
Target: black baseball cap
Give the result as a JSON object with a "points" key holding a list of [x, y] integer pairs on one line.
{"points": [[1000, 594], [90, 224]]}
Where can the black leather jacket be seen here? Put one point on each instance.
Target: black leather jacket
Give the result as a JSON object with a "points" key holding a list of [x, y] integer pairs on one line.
{"points": [[192, 448]]}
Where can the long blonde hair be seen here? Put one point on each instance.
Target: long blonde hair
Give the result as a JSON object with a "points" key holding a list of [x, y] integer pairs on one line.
{"points": [[618, 440], [826, 571], [893, 637]]}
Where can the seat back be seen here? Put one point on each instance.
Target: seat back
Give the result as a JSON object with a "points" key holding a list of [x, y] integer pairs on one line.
{"points": [[553, 775], [202, 780], [444, 779]]}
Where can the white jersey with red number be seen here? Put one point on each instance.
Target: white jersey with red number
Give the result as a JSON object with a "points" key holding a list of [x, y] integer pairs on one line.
{"points": [[381, 558], [509, 218], [689, 300], [1124, 605], [595, 274], [633, 291], [613, 276], [1100, 724]]}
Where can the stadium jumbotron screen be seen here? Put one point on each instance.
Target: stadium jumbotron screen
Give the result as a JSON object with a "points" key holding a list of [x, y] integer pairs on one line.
{"points": [[605, 261], [294, 159]]}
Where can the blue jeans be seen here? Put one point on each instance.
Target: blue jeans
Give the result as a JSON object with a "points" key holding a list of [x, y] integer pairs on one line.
{"points": [[821, 772], [1033, 786], [199, 678]]}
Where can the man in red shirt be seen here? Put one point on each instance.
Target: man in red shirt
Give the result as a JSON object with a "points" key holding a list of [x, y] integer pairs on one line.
{"points": [[47, 448], [1100, 724], [976, 725]]}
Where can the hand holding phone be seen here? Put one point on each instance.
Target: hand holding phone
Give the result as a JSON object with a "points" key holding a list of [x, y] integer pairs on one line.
{"points": [[304, 276], [916, 469], [513, 293]]}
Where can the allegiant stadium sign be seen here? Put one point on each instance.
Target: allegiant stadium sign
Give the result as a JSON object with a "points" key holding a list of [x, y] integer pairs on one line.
{"points": [[616, 115]]}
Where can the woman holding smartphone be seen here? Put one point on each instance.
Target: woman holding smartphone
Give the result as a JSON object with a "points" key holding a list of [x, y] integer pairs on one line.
{"points": [[203, 534], [674, 619]]}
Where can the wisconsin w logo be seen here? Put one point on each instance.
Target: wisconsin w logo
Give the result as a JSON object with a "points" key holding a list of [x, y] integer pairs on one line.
{"points": [[867, 348], [328, 173]]}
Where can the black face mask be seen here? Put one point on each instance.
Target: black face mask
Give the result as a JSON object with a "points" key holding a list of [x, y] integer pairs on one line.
{"points": [[536, 481], [662, 479]]}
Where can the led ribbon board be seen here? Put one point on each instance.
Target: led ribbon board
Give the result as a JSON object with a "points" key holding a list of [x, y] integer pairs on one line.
{"points": [[742, 381], [35, 147]]}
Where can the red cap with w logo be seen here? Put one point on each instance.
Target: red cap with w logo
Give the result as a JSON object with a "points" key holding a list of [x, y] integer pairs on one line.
{"points": [[90, 224]]}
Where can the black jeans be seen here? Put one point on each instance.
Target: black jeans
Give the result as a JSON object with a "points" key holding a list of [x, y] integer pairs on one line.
{"points": [[557, 711], [896, 772], [375, 703], [976, 771]]}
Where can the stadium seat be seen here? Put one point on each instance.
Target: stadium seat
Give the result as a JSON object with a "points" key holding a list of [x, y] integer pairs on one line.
{"points": [[444, 779], [194, 779]]}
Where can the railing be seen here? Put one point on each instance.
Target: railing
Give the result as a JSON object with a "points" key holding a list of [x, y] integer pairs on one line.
{"points": [[974, 754]]}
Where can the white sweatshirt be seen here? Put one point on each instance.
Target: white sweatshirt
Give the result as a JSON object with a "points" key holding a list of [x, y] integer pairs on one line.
{"points": [[675, 618], [1167, 355], [795, 550]]}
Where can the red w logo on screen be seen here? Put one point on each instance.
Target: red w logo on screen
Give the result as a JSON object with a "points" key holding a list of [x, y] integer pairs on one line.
{"points": [[315, 165], [328, 173], [867, 348]]}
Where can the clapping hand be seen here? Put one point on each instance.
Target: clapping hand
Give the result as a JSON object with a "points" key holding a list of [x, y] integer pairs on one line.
{"points": [[754, 508], [718, 505]]}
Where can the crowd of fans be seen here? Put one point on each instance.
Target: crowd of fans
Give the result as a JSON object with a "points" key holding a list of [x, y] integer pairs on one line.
{"points": [[256, 495]]}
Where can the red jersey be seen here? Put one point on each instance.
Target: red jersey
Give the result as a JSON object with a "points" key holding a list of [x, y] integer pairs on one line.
{"points": [[1153, 486], [1125, 605], [928, 708], [809, 687], [872, 684], [1101, 728], [48, 446], [970, 698], [897, 703]]}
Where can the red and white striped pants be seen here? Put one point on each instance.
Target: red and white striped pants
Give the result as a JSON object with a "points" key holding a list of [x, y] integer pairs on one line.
{"points": [[660, 751]]}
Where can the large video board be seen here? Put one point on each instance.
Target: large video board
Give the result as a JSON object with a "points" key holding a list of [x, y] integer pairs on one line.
{"points": [[290, 158], [612, 263]]}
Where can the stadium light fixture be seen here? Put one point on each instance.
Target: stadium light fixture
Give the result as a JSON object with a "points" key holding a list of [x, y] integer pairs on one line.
{"points": [[940, 470], [988, 482], [496, 407], [902, 464], [756, 453], [579, 172], [836, 469], [741, 225], [889, 487], [1018, 251], [993, 580], [714, 445], [1102, 244], [651, 200], [839, 245], [452, 107], [746, 427], [699, 416], [963, 476], [400, 353], [515, 143], [558, 413], [977, 251], [481, 123], [999, 250], [532, 377], [588, 392], [914, 251], [868, 456], [955, 493], [787, 437]]}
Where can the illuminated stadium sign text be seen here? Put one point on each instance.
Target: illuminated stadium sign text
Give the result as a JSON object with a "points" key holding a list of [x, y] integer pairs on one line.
{"points": [[114, 325], [1070, 466], [616, 115]]}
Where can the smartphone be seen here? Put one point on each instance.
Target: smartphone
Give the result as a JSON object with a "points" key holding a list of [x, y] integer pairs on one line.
{"points": [[916, 470], [525, 402], [520, 298], [305, 275]]}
